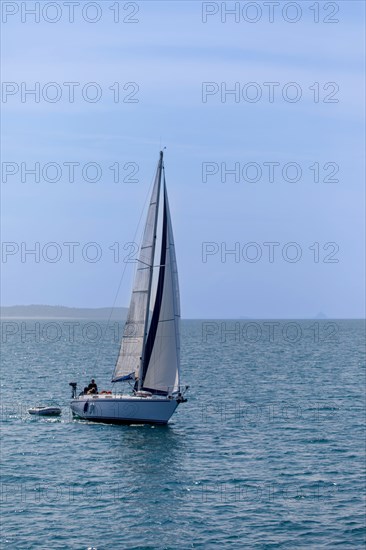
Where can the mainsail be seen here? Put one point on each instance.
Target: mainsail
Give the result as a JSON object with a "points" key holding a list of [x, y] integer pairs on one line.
{"points": [[161, 360], [150, 348]]}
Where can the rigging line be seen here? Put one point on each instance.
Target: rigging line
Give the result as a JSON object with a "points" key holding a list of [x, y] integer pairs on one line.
{"points": [[123, 272]]}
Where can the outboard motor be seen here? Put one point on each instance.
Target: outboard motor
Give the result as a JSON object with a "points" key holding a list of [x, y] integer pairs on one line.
{"points": [[73, 390]]}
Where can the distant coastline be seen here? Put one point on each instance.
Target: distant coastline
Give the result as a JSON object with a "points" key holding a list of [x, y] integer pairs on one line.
{"points": [[62, 312], [37, 311]]}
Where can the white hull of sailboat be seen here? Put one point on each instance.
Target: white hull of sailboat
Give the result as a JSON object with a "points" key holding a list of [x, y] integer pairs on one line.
{"points": [[124, 409]]}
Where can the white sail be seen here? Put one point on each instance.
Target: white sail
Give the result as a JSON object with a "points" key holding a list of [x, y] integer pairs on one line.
{"points": [[161, 368], [131, 350]]}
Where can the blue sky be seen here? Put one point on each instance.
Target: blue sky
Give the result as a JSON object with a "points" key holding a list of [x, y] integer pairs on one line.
{"points": [[169, 53]]}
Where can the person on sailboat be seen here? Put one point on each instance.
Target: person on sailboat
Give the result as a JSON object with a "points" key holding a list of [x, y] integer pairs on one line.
{"points": [[92, 388]]}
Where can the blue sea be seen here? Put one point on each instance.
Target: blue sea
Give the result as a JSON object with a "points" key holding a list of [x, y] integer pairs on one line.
{"points": [[268, 452]]}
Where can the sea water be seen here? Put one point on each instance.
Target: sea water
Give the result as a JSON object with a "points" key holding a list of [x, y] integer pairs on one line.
{"points": [[268, 452]]}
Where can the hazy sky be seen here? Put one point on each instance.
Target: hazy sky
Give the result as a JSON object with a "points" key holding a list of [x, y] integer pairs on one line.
{"points": [[291, 132]]}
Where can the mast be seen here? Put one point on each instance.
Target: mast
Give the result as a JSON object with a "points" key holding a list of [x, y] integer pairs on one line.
{"points": [[160, 168]]}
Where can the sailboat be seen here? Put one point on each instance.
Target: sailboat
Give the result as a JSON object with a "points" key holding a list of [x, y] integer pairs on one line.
{"points": [[149, 355]]}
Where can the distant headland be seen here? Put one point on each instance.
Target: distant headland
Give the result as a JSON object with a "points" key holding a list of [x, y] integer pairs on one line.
{"points": [[36, 311]]}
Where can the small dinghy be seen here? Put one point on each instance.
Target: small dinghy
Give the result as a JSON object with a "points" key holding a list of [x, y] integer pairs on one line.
{"points": [[45, 411]]}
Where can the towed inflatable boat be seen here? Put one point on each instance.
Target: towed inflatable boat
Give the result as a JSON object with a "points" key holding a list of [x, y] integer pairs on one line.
{"points": [[45, 411]]}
